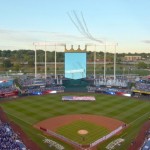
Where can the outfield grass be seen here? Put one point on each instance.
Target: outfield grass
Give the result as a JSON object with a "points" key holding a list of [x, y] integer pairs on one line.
{"points": [[30, 110], [94, 132]]}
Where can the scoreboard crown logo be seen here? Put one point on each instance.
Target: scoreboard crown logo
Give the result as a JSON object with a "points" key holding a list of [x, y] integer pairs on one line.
{"points": [[77, 50]]}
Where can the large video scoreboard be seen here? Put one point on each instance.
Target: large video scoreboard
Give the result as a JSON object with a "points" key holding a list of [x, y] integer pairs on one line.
{"points": [[75, 65]]}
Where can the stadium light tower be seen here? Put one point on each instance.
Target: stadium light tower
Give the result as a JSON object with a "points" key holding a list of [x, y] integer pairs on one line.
{"points": [[105, 49], [45, 44], [35, 62], [45, 62], [55, 62], [115, 46], [94, 63], [95, 58], [82, 27], [105, 62]]}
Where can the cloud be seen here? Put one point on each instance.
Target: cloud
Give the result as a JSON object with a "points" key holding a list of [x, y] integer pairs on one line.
{"points": [[146, 41], [34, 35], [25, 38], [20, 39]]}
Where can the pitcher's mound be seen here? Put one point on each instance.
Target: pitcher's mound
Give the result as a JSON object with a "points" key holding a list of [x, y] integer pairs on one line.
{"points": [[82, 132]]}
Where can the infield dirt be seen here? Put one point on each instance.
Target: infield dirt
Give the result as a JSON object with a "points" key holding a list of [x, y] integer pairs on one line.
{"points": [[54, 123]]}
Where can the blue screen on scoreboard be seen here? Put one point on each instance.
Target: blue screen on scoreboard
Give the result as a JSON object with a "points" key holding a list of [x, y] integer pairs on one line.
{"points": [[75, 65]]}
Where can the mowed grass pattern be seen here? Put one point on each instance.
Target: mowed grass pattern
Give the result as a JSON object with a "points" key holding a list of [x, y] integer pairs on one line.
{"points": [[70, 131], [33, 109]]}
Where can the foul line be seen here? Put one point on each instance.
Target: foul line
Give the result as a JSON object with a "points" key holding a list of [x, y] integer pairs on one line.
{"points": [[26, 123], [42, 135], [139, 118], [18, 118]]}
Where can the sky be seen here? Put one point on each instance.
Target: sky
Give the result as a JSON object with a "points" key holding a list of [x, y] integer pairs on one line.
{"points": [[125, 22]]}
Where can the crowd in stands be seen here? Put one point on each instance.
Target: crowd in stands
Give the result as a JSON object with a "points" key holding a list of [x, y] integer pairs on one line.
{"points": [[31, 81], [102, 89], [9, 140], [91, 88], [41, 90], [101, 84], [39, 86], [31, 85], [120, 82], [143, 85], [146, 145], [7, 87]]}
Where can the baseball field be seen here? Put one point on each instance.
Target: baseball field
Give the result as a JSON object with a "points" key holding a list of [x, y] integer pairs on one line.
{"points": [[28, 111]]}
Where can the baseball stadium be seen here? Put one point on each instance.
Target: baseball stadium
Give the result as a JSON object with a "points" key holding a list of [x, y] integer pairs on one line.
{"points": [[74, 110]]}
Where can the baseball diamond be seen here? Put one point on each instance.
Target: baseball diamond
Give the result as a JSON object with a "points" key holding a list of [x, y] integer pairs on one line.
{"points": [[69, 125], [30, 111]]}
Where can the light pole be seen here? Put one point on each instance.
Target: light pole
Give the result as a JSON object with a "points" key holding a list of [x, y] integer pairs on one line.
{"points": [[46, 44], [95, 62], [45, 62], [35, 62], [105, 61], [55, 62], [105, 49], [115, 62]]}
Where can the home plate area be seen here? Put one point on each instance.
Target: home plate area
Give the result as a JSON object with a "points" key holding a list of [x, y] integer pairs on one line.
{"points": [[81, 130]]}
